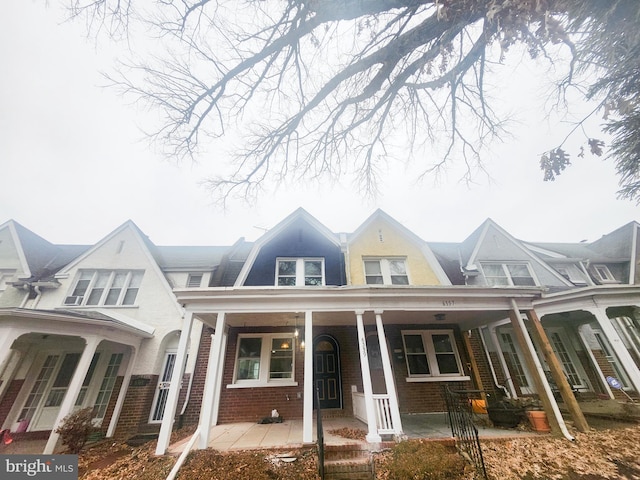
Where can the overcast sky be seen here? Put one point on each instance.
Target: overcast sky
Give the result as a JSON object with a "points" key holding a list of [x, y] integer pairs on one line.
{"points": [[75, 167]]}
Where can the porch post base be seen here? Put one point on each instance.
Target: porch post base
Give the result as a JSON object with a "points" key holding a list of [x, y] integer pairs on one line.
{"points": [[373, 438]]}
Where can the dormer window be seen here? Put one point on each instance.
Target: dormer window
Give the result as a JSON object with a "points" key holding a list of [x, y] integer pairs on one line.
{"points": [[296, 272], [603, 274], [386, 271], [105, 287], [508, 274]]}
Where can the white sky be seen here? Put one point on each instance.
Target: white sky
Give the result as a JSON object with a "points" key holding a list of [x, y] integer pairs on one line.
{"points": [[74, 165]]}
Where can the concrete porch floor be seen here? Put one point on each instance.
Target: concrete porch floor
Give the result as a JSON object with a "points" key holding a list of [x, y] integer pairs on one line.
{"points": [[246, 435]]}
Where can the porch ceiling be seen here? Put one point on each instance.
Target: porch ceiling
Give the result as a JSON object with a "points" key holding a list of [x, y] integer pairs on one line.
{"points": [[464, 319]]}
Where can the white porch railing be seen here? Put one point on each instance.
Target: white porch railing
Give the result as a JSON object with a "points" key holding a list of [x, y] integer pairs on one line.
{"points": [[384, 422]]}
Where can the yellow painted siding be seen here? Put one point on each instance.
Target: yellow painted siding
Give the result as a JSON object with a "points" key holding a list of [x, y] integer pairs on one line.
{"points": [[380, 239]]}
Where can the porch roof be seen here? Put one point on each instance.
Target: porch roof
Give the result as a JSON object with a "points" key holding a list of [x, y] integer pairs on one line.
{"points": [[79, 320], [466, 306]]}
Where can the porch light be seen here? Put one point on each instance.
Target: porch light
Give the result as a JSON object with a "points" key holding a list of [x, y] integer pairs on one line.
{"points": [[440, 317]]}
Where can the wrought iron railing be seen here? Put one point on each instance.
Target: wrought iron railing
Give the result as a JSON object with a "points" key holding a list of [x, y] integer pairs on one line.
{"points": [[462, 427]]}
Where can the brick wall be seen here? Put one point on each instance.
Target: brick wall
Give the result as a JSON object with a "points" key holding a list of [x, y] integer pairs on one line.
{"points": [[137, 405], [192, 412], [9, 398], [419, 397]]}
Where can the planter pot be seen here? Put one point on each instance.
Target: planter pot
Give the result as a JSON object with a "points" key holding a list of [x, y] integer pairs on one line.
{"points": [[505, 416], [538, 421]]}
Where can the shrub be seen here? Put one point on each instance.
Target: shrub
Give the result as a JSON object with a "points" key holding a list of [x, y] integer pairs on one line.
{"points": [[424, 460], [76, 428]]}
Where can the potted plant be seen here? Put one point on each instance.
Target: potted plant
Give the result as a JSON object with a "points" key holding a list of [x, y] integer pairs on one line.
{"points": [[506, 412]]}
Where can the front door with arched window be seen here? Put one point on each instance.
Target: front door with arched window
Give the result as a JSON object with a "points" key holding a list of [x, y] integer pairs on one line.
{"points": [[326, 371]]}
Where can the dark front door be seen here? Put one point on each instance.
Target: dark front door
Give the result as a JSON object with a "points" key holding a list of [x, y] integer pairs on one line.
{"points": [[326, 371]]}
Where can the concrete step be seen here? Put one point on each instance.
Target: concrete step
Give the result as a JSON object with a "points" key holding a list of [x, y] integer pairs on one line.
{"points": [[354, 469]]}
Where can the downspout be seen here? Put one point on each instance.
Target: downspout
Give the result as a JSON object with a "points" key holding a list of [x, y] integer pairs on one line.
{"points": [[193, 372], [491, 367], [634, 249], [38, 297], [541, 374], [26, 287]]}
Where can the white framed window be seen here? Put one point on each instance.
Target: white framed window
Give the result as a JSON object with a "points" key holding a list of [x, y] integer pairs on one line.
{"points": [[604, 274], [194, 280], [431, 354], [508, 274], [105, 287], [297, 272], [265, 360], [386, 271]]}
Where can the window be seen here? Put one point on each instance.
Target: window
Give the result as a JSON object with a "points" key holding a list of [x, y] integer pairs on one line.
{"points": [[603, 274], [106, 387], [431, 353], [291, 272], [194, 280], [105, 287], [508, 274], [386, 271], [262, 359]]}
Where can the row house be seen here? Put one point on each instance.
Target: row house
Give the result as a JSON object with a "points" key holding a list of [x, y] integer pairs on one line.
{"points": [[370, 324]]}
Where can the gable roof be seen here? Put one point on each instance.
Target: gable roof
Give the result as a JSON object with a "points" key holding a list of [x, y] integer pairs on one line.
{"points": [[475, 241], [40, 258], [146, 246], [298, 214], [379, 214]]}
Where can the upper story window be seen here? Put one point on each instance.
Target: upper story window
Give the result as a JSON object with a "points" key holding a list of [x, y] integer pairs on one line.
{"points": [[292, 272], [603, 274], [105, 287], [431, 353], [508, 274], [194, 280], [262, 359], [386, 271]]}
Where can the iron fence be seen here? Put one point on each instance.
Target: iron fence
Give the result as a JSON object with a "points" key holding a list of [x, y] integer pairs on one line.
{"points": [[459, 409]]}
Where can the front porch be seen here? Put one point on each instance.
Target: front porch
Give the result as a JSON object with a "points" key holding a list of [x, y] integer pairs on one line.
{"points": [[288, 434]]}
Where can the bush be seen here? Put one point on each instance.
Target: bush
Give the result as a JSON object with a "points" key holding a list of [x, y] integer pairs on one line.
{"points": [[76, 428], [424, 460]]}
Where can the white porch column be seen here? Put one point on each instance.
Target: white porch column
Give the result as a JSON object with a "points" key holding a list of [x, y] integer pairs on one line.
{"points": [[618, 346], [547, 395], [115, 416], [7, 355], [373, 435], [218, 389], [176, 381], [389, 380], [73, 390], [309, 392], [206, 410]]}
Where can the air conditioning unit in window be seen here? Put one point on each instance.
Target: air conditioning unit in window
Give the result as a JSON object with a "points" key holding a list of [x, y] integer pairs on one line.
{"points": [[73, 300]]}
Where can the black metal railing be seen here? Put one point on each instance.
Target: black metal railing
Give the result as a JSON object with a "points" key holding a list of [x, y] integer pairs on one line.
{"points": [[320, 435], [459, 409]]}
